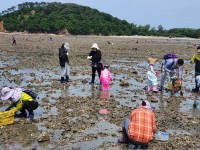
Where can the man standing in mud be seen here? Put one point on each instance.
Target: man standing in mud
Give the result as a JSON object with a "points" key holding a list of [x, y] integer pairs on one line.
{"points": [[196, 60], [170, 64]]}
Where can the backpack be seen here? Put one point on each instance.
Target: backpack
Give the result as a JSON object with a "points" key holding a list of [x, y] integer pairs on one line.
{"points": [[31, 93], [170, 55]]}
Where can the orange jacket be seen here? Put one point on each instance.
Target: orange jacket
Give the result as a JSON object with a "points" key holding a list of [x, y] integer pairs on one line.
{"points": [[142, 125]]}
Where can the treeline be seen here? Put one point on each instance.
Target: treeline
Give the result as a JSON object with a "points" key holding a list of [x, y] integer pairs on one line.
{"points": [[78, 20]]}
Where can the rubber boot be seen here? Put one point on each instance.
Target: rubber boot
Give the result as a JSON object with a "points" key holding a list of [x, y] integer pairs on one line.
{"points": [[67, 78], [148, 88], [62, 80], [161, 88], [155, 90], [196, 89], [124, 138], [31, 114]]}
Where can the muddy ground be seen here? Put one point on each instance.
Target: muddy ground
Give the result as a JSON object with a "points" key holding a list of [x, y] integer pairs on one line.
{"points": [[69, 114]]}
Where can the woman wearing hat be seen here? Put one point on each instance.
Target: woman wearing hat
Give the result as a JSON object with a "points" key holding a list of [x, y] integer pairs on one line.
{"points": [[95, 57], [21, 101], [152, 76], [64, 62]]}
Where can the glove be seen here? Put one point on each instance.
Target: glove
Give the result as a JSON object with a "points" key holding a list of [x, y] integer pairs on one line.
{"points": [[89, 57], [191, 62], [67, 53]]}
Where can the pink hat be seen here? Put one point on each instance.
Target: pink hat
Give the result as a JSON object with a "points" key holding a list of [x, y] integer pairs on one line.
{"points": [[14, 94]]}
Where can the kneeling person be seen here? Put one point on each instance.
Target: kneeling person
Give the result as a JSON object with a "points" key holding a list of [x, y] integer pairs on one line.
{"points": [[141, 126]]}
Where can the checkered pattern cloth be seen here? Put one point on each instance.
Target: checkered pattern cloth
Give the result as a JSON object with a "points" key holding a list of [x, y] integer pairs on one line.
{"points": [[142, 125]]}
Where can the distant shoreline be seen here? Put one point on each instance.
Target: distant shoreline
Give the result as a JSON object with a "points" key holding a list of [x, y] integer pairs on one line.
{"points": [[114, 36]]}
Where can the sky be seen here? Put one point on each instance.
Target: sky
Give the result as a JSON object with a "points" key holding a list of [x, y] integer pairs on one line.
{"points": [[168, 13]]}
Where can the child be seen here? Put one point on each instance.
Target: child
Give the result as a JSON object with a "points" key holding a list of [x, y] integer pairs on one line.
{"points": [[196, 60], [105, 78], [152, 76]]}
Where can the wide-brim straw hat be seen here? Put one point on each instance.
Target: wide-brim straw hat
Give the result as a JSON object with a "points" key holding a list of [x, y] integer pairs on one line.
{"points": [[151, 60], [6, 93], [14, 94], [94, 45]]}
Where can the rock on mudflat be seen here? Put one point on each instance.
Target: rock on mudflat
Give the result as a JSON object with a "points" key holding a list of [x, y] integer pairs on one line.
{"points": [[44, 136]]}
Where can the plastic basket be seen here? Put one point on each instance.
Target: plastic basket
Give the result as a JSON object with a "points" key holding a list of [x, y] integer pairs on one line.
{"points": [[162, 136], [6, 117]]}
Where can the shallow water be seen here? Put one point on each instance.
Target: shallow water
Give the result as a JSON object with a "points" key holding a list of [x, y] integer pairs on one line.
{"points": [[126, 95]]}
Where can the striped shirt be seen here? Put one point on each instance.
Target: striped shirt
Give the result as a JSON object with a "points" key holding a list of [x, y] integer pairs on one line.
{"points": [[142, 125]]}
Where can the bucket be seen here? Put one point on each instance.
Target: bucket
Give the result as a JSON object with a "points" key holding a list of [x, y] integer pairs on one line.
{"points": [[198, 103], [6, 117]]}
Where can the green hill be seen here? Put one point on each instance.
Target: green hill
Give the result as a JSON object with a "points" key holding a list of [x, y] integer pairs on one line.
{"points": [[78, 20], [55, 17]]}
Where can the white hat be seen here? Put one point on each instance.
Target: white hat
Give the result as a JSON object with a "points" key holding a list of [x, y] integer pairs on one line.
{"points": [[66, 45], [94, 45], [7, 93]]}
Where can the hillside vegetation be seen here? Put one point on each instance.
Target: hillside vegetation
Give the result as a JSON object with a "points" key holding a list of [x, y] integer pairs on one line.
{"points": [[78, 20]]}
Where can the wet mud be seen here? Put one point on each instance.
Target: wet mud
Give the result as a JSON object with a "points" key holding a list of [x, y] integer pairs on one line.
{"points": [[77, 115]]}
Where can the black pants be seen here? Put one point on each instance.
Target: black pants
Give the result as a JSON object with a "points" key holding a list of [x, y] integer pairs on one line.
{"points": [[29, 106], [94, 69]]}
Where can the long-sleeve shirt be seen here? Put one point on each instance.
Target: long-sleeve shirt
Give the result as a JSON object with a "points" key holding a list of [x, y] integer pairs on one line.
{"points": [[142, 125], [18, 105], [196, 60], [170, 64], [105, 76]]}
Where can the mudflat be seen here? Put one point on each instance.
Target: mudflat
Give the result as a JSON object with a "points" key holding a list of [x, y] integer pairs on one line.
{"points": [[70, 113]]}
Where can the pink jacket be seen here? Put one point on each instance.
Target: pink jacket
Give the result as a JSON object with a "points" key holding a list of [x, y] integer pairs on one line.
{"points": [[105, 77]]}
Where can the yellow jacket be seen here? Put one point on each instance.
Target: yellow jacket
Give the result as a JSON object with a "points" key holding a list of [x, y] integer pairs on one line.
{"points": [[196, 60], [196, 57], [18, 105]]}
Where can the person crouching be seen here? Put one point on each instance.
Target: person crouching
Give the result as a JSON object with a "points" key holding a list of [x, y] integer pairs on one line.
{"points": [[141, 126], [20, 101]]}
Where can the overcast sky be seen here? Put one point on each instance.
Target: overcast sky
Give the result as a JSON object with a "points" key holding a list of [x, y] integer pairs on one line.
{"points": [[168, 13]]}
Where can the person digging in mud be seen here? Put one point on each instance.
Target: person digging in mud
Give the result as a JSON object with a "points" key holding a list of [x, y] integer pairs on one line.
{"points": [[64, 62], [95, 57], [152, 76], [20, 101], [140, 128], [169, 65], [196, 60]]}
